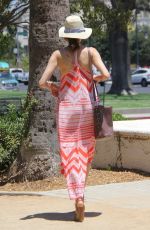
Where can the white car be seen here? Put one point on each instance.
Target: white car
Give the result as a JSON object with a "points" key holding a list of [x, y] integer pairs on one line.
{"points": [[25, 78], [18, 73], [141, 76]]}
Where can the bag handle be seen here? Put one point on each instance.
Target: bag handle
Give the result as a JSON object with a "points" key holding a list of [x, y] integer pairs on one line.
{"points": [[95, 91]]}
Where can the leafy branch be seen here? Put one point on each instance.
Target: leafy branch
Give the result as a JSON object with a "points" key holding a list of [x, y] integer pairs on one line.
{"points": [[9, 15]]}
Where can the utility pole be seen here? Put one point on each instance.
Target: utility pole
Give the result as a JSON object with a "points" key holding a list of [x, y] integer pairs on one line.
{"points": [[137, 42], [18, 53]]}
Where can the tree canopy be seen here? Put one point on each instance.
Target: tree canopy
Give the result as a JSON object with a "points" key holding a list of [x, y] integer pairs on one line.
{"points": [[11, 11], [143, 46], [113, 16]]}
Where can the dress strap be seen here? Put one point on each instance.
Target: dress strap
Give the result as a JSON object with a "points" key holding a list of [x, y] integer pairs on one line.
{"points": [[90, 61], [76, 58]]}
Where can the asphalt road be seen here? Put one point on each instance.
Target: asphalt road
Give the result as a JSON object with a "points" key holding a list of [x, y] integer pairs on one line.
{"points": [[22, 87], [136, 88]]}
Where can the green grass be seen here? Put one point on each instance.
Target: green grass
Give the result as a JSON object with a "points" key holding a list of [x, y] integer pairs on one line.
{"points": [[137, 101], [12, 93]]}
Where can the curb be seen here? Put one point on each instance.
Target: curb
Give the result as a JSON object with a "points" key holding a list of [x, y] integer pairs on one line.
{"points": [[5, 193], [137, 116]]}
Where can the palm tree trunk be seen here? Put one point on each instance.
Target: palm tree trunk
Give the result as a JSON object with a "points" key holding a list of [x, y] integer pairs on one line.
{"points": [[39, 150]]}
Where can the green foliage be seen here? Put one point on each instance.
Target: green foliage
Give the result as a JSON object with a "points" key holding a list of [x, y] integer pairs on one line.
{"points": [[13, 127], [11, 11], [7, 43], [99, 16], [101, 43], [25, 63], [118, 18], [92, 16], [118, 117], [143, 45], [103, 20], [143, 5], [10, 136]]}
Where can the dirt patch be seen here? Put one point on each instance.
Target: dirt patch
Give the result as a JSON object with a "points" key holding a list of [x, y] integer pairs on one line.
{"points": [[96, 177]]}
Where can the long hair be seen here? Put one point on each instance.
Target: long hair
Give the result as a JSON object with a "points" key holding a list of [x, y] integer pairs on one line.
{"points": [[74, 43]]}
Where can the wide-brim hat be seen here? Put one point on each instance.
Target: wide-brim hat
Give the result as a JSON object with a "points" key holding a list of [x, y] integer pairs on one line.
{"points": [[74, 28]]}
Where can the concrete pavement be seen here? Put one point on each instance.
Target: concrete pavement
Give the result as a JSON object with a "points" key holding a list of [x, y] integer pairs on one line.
{"points": [[134, 113], [118, 206]]}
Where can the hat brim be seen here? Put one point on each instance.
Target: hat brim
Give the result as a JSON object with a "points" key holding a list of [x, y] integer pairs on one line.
{"points": [[82, 35]]}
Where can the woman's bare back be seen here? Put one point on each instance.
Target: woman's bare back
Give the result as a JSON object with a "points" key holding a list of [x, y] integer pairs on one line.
{"points": [[66, 59]]}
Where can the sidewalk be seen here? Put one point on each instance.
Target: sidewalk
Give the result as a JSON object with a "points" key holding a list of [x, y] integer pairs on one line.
{"points": [[122, 206], [136, 113]]}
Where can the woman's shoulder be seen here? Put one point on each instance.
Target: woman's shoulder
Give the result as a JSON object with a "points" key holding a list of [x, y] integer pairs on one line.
{"points": [[93, 49], [56, 54]]}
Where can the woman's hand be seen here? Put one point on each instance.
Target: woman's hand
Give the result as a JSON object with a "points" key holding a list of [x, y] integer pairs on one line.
{"points": [[51, 86], [42, 84], [100, 78], [54, 89]]}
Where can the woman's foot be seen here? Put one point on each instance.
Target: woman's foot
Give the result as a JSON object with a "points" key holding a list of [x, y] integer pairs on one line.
{"points": [[80, 208]]}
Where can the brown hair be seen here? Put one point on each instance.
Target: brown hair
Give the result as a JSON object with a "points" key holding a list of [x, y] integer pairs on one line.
{"points": [[74, 43]]}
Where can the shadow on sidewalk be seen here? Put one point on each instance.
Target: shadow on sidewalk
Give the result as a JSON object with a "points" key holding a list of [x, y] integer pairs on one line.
{"points": [[68, 216]]}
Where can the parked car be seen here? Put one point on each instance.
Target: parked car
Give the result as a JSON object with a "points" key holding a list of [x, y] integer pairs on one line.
{"points": [[18, 73], [141, 76], [25, 78], [7, 81]]}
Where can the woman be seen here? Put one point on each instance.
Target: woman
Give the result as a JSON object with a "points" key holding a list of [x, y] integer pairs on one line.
{"points": [[75, 105]]}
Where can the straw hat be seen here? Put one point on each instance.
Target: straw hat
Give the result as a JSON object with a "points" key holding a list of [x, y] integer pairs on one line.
{"points": [[74, 28]]}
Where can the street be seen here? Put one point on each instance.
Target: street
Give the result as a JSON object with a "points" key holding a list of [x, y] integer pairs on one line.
{"points": [[136, 88], [22, 87]]}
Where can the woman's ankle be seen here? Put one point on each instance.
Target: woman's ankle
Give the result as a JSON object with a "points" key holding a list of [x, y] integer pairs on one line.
{"points": [[80, 200]]}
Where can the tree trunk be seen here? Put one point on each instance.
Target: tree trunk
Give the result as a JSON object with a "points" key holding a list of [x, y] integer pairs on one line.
{"points": [[39, 156], [120, 62]]}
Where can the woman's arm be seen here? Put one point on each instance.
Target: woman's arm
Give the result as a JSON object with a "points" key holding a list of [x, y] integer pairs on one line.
{"points": [[97, 61], [51, 66]]}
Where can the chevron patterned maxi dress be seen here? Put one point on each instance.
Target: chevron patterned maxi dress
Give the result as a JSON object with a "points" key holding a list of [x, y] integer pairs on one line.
{"points": [[75, 127]]}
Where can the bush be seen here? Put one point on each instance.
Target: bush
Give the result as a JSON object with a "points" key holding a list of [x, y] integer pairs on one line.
{"points": [[13, 127], [118, 117]]}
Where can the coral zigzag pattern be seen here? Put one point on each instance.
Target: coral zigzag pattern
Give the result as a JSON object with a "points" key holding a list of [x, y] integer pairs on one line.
{"points": [[75, 128]]}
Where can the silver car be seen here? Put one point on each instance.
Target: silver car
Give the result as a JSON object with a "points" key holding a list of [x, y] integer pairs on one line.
{"points": [[141, 76]]}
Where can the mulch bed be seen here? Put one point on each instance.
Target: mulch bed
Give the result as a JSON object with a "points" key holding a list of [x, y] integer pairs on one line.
{"points": [[96, 177]]}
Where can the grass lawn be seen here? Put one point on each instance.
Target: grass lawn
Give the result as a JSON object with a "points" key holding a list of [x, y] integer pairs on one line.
{"points": [[137, 101], [12, 93]]}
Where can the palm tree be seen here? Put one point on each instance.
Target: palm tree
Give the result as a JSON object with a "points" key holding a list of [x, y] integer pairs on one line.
{"points": [[11, 11], [39, 150]]}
